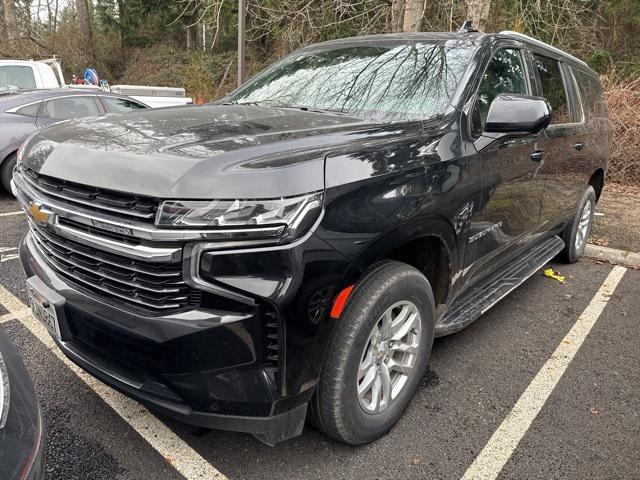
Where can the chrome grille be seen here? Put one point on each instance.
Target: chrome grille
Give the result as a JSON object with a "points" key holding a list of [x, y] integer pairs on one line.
{"points": [[133, 206], [153, 286]]}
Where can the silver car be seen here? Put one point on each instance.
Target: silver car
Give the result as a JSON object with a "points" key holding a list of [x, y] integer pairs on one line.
{"points": [[23, 112]]}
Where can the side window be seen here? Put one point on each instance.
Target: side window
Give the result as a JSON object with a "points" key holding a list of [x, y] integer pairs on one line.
{"points": [[553, 88], [69, 107], [591, 94], [121, 105], [29, 110], [504, 74], [18, 76]]}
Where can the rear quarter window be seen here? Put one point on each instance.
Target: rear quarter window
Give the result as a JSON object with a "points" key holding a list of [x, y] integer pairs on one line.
{"points": [[591, 94], [29, 110]]}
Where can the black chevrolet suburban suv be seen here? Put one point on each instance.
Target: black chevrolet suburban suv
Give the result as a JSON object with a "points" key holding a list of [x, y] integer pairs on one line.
{"points": [[294, 248]]}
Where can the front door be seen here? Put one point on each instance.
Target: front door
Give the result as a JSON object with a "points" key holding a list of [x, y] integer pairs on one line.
{"points": [[512, 189]]}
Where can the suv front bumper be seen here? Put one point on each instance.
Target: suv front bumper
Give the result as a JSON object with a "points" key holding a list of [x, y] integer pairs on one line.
{"points": [[204, 367]]}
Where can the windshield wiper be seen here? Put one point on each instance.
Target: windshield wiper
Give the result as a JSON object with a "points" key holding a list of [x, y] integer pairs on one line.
{"points": [[315, 110], [295, 107], [236, 102]]}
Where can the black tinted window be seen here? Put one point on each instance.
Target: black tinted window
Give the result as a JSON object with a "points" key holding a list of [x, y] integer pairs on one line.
{"points": [[29, 110], [121, 105], [590, 94], [504, 74], [553, 88], [69, 107]]}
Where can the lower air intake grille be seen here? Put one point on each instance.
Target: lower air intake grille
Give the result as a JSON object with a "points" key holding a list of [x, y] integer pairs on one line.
{"points": [[272, 344]]}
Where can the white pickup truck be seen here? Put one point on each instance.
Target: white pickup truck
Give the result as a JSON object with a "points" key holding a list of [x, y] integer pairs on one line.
{"points": [[30, 74]]}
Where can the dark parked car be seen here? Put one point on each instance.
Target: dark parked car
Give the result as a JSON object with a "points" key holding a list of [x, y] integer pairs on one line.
{"points": [[22, 445], [298, 245], [23, 112]]}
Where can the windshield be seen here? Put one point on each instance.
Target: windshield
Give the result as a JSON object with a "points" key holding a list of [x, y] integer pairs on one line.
{"points": [[386, 82], [16, 76]]}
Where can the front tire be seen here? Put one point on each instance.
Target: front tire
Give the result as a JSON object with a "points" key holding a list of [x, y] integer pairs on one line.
{"points": [[6, 171], [577, 232], [377, 354]]}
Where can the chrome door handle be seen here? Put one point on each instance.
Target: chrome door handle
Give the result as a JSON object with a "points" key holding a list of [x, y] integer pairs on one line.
{"points": [[579, 146], [537, 155]]}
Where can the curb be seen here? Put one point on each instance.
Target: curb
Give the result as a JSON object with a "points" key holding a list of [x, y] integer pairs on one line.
{"points": [[613, 255]]}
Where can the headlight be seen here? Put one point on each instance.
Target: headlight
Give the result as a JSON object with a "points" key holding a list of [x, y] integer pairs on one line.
{"points": [[292, 213], [4, 392]]}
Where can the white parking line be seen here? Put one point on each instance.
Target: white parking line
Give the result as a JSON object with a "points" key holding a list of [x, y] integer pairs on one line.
{"points": [[503, 442], [15, 315], [9, 214], [173, 449], [5, 257]]}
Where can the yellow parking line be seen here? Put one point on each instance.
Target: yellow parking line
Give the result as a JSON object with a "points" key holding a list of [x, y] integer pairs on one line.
{"points": [[501, 445], [173, 449]]}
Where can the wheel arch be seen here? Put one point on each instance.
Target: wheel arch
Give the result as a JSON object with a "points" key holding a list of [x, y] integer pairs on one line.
{"points": [[428, 245], [10, 151], [597, 182]]}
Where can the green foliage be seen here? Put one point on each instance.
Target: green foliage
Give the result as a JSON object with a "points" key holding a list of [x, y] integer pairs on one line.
{"points": [[198, 79], [600, 60]]}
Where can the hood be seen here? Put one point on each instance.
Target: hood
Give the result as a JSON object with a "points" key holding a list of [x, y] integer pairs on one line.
{"points": [[213, 151]]}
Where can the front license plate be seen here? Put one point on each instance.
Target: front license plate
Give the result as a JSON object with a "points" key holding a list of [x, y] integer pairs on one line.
{"points": [[44, 311]]}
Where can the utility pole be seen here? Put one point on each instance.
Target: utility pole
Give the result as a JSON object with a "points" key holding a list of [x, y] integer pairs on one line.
{"points": [[241, 14]]}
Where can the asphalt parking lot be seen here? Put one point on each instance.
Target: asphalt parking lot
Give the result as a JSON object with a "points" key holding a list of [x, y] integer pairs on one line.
{"points": [[484, 398]]}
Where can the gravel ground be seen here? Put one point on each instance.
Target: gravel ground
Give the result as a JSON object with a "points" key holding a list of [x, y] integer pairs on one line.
{"points": [[589, 427]]}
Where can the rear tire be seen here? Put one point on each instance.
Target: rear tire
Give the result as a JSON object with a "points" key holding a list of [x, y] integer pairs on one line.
{"points": [[385, 330], [6, 171], [577, 232]]}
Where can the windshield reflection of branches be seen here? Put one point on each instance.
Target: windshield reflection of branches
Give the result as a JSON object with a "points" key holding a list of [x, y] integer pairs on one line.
{"points": [[390, 83]]}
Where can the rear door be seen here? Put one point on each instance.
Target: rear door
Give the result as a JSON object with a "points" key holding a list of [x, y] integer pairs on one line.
{"points": [[66, 108], [565, 147]]}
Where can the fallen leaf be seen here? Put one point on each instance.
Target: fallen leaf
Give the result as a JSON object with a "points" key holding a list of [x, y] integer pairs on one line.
{"points": [[169, 460]]}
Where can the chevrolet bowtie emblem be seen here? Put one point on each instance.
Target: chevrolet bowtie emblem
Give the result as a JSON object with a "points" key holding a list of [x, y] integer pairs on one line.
{"points": [[39, 215]]}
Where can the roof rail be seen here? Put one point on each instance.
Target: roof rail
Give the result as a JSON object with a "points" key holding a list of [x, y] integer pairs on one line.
{"points": [[540, 43]]}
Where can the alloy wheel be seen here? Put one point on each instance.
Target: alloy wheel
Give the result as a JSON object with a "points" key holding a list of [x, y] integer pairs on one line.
{"points": [[389, 357], [583, 226]]}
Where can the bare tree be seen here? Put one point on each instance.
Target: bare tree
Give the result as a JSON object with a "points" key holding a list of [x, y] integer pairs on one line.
{"points": [[190, 19], [11, 19], [84, 27], [3, 26], [413, 13], [397, 15], [478, 13]]}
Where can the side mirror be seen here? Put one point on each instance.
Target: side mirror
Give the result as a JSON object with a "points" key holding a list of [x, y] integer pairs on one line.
{"points": [[513, 114]]}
